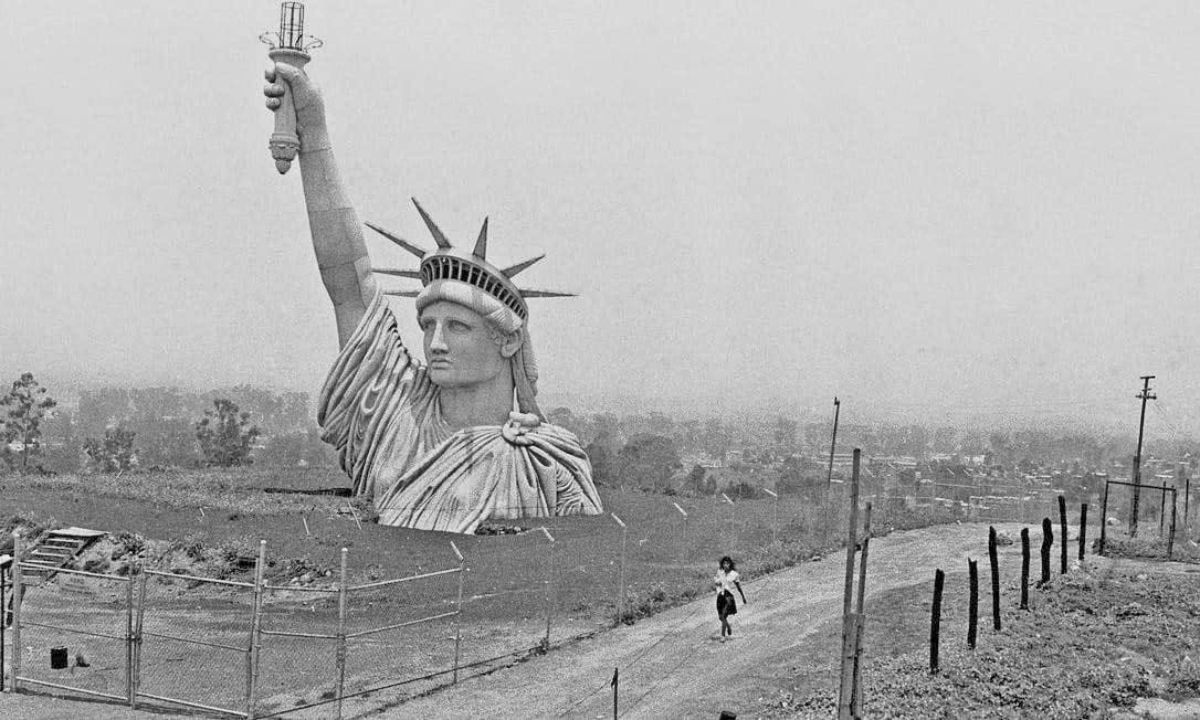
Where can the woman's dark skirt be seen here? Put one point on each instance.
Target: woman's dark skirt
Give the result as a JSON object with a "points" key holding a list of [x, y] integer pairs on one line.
{"points": [[726, 605]]}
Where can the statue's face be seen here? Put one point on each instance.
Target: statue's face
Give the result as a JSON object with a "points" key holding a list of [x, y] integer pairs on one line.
{"points": [[461, 348]]}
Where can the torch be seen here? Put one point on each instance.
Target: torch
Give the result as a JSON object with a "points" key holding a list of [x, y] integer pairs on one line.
{"points": [[290, 45]]}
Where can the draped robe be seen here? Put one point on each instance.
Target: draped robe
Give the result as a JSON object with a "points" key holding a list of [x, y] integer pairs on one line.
{"points": [[381, 412]]}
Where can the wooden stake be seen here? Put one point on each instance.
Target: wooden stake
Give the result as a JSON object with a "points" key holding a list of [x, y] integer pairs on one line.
{"points": [[994, 560], [972, 604], [260, 567], [462, 566], [856, 707], [18, 593], [1024, 568], [849, 621], [549, 584], [1047, 543], [341, 636], [939, 579], [621, 581], [1062, 526], [1082, 530]]}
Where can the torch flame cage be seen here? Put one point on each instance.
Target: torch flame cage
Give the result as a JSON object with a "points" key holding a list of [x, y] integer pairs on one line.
{"points": [[291, 25]]}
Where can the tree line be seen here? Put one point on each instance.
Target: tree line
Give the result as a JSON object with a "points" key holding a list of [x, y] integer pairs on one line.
{"points": [[118, 429]]}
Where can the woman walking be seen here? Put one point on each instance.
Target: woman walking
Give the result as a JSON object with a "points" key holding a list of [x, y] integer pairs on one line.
{"points": [[725, 581]]}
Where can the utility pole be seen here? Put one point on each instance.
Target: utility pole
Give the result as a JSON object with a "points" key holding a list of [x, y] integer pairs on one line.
{"points": [[837, 409], [1144, 395]]}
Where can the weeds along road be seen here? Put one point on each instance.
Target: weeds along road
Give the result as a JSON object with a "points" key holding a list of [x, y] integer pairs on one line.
{"points": [[673, 665]]}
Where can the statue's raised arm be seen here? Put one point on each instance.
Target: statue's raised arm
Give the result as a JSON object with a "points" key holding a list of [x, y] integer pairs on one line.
{"points": [[336, 232]]}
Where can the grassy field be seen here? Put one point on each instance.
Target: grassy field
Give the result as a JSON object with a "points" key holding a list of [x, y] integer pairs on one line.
{"points": [[210, 522], [1092, 644]]}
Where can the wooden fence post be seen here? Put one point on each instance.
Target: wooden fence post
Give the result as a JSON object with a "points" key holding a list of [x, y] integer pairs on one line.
{"points": [[3, 621], [1162, 508], [684, 534], [1024, 568], [462, 566], [774, 514], [935, 622], [549, 585], [1171, 537], [857, 702], [1062, 525], [621, 581], [1047, 543], [18, 592], [972, 604], [1082, 530], [129, 642], [139, 623], [994, 559], [260, 567], [1103, 520], [341, 636], [849, 620]]}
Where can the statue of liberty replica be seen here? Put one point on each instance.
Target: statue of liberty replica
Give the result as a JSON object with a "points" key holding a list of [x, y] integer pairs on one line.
{"points": [[458, 439]]}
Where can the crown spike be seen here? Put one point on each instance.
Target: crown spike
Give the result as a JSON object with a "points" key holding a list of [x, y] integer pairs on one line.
{"points": [[438, 237], [512, 270], [398, 272], [396, 239], [528, 293], [480, 250]]}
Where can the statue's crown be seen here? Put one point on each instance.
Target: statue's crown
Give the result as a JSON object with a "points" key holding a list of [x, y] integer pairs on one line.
{"points": [[449, 263]]}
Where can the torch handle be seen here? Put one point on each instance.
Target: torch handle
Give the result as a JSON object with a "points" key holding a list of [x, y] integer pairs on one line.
{"points": [[285, 143]]}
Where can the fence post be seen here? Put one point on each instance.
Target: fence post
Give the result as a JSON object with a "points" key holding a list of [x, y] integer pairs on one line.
{"points": [[935, 622], [1171, 537], [857, 702], [1103, 519], [1082, 530], [683, 543], [1047, 543], [17, 592], [1062, 524], [973, 603], [849, 620], [1162, 508], [137, 634], [341, 636], [993, 558], [3, 620], [732, 521], [260, 565], [621, 575], [774, 513], [462, 566], [1025, 568], [549, 585], [128, 638]]}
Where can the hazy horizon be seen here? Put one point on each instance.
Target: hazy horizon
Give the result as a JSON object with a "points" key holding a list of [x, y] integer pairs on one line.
{"points": [[930, 210]]}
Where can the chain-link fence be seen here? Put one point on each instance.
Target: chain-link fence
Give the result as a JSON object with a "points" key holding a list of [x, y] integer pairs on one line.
{"points": [[467, 604]]}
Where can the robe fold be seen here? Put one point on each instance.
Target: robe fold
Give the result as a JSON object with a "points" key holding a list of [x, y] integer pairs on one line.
{"points": [[380, 410]]}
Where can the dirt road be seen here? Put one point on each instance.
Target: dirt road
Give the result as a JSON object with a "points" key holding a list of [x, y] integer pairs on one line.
{"points": [[672, 665]]}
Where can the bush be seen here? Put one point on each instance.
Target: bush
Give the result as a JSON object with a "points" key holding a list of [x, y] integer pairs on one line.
{"points": [[114, 453]]}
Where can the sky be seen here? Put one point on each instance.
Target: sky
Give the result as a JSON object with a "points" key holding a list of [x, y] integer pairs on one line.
{"points": [[929, 209]]}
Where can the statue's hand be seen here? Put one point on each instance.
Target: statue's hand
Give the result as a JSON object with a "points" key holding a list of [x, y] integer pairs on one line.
{"points": [[306, 98], [518, 426]]}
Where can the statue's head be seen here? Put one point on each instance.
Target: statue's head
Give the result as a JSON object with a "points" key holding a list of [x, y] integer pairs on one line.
{"points": [[474, 319]]}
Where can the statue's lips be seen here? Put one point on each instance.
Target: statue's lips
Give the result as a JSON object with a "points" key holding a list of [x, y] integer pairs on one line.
{"points": [[439, 363]]}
